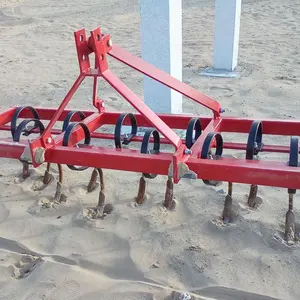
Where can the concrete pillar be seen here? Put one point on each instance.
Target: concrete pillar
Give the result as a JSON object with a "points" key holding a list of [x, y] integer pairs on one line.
{"points": [[161, 43], [227, 30], [226, 39]]}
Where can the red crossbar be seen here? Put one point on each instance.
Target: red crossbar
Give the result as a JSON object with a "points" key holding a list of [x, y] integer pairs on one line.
{"points": [[164, 78], [267, 173]]}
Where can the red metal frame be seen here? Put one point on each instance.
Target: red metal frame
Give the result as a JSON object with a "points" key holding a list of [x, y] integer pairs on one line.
{"points": [[267, 173]]}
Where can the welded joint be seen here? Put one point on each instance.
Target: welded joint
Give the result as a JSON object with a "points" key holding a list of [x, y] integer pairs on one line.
{"points": [[187, 151], [39, 155], [183, 171], [26, 155]]}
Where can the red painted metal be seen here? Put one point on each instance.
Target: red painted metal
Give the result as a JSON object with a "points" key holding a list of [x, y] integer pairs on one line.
{"points": [[9, 149], [160, 76], [267, 173], [225, 169], [141, 107]]}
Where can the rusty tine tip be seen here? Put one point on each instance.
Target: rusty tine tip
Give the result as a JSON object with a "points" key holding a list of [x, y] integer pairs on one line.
{"points": [[93, 181], [63, 198], [252, 198], [290, 227], [101, 200], [59, 196], [47, 177], [227, 212], [25, 173], [169, 202], [141, 193], [108, 208]]}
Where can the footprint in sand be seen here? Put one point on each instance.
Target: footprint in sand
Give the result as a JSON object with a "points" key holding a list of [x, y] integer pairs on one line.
{"points": [[55, 85], [24, 266], [228, 92], [67, 290], [4, 213], [39, 291], [286, 79], [13, 20]]}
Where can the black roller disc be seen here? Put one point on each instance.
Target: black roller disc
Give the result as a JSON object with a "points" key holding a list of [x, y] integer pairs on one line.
{"points": [[66, 139], [118, 129], [294, 157], [20, 129], [208, 142], [70, 116], [206, 150], [194, 126], [254, 143], [145, 147], [13, 123]]}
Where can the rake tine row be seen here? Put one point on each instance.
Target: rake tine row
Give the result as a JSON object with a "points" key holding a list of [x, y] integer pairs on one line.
{"points": [[194, 126]]}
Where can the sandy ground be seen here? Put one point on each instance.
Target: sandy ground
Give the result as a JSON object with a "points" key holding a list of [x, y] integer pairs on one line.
{"points": [[145, 252]]}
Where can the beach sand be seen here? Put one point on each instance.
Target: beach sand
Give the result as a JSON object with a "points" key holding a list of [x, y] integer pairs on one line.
{"points": [[146, 252]]}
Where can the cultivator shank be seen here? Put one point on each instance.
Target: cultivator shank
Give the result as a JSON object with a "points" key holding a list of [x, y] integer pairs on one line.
{"points": [[199, 156]]}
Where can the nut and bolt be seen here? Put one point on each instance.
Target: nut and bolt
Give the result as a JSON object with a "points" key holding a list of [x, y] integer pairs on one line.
{"points": [[49, 140], [185, 296], [187, 151]]}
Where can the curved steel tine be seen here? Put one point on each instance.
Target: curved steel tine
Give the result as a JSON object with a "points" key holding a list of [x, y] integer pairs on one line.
{"points": [[140, 198], [169, 202], [290, 226], [93, 181], [25, 171], [59, 195]]}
